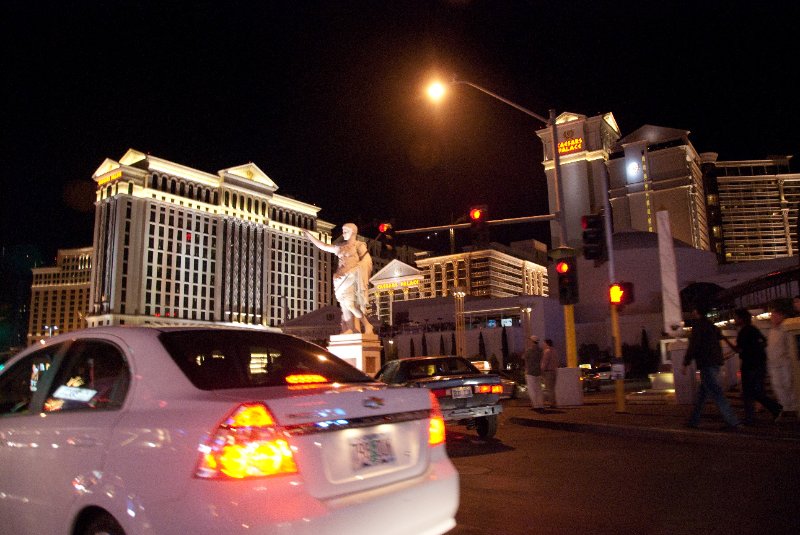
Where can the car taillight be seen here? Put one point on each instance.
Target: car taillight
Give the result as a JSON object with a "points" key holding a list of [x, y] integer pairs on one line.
{"points": [[305, 378], [436, 433], [488, 389], [439, 392], [246, 444]]}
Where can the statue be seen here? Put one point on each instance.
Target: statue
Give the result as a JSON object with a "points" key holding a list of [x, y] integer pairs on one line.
{"points": [[351, 279]]}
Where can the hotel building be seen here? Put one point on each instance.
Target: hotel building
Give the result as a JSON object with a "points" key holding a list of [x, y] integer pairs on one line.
{"points": [[60, 295], [752, 208], [176, 245], [493, 273], [653, 169], [583, 145]]}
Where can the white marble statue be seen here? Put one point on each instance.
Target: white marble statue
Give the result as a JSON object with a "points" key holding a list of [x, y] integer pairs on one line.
{"points": [[351, 279]]}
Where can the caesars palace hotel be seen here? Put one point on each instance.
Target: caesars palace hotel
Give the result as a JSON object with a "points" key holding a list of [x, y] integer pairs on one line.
{"points": [[174, 245]]}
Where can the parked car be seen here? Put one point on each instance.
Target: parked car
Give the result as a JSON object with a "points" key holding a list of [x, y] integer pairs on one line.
{"points": [[466, 395], [512, 389], [594, 378], [135, 430]]}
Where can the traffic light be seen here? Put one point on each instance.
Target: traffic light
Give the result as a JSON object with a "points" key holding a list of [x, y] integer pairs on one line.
{"points": [[567, 270], [478, 217], [620, 293], [386, 237], [594, 237]]}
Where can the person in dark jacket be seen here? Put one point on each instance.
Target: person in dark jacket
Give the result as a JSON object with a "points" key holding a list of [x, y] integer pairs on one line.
{"points": [[705, 350], [750, 344]]}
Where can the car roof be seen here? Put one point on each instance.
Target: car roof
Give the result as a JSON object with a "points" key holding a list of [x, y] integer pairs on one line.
{"points": [[429, 357]]}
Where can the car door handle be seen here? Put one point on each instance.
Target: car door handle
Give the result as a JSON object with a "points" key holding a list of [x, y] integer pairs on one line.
{"points": [[82, 441]]}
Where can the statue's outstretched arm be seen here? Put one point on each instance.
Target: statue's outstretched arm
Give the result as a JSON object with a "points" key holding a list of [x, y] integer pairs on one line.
{"points": [[319, 244]]}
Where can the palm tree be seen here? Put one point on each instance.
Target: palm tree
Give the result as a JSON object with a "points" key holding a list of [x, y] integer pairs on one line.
{"points": [[481, 346], [424, 345], [441, 345], [413, 349]]}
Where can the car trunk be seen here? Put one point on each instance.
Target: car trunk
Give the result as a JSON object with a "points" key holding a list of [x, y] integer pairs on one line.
{"points": [[458, 391], [351, 439]]}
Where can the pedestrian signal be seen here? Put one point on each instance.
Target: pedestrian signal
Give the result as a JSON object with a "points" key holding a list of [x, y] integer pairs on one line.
{"points": [[620, 293]]}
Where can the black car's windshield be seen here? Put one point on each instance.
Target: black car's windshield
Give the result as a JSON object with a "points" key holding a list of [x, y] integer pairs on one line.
{"points": [[215, 359]]}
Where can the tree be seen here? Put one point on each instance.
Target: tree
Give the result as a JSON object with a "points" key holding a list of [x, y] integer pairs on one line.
{"points": [[504, 346], [453, 343], [481, 346], [441, 345], [424, 345], [413, 350]]}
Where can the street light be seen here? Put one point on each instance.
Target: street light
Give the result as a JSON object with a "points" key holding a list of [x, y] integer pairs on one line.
{"points": [[436, 92], [50, 329]]}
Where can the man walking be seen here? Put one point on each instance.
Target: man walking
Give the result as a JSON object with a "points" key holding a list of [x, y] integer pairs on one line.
{"points": [[704, 348]]}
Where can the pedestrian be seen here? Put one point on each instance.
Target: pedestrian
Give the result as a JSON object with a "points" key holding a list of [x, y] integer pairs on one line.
{"points": [[705, 350], [549, 371], [781, 352], [750, 345], [533, 373]]}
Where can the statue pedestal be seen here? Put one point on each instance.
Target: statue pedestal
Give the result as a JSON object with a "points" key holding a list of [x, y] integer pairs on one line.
{"points": [[361, 350]]}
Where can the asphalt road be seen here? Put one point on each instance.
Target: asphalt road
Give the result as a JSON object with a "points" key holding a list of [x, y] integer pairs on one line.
{"points": [[536, 480]]}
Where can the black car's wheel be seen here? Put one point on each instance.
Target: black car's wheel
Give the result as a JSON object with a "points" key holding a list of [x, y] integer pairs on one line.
{"points": [[486, 426], [102, 524]]}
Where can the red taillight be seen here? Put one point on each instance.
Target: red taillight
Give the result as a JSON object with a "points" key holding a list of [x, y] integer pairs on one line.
{"points": [[305, 378], [439, 392], [488, 389], [436, 433], [497, 389], [246, 444]]}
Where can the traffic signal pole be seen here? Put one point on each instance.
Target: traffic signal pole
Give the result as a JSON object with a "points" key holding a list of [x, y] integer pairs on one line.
{"points": [[619, 384]]}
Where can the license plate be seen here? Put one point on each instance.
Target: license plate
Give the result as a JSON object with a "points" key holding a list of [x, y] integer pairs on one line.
{"points": [[460, 392], [371, 450]]}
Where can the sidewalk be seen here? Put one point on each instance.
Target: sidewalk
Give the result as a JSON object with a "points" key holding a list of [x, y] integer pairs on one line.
{"points": [[662, 421]]}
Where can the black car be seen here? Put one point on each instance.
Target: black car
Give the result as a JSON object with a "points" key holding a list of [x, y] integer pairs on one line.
{"points": [[466, 395]]}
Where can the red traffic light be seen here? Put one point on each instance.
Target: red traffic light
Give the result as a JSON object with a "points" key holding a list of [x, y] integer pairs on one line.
{"points": [[562, 267], [384, 227], [476, 214]]}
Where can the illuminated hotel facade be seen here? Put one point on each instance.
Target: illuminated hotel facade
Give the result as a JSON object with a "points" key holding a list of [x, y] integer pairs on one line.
{"points": [[175, 245], [584, 144], [753, 207], [60, 295], [492, 273], [656, 168]]}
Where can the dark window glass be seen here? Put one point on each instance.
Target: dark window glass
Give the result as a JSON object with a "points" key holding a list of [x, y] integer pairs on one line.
{"points": [[214, 359], [19, 384], [94, 376]]}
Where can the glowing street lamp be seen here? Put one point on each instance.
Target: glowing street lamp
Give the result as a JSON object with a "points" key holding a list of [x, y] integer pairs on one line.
{"points": [[436, 91]]}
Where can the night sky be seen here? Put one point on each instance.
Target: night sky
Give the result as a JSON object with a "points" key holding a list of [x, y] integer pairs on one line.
{"points": [[326, 97]]}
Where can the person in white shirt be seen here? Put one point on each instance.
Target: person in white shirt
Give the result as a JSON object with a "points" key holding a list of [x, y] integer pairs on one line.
{"points": [[781, 352]]}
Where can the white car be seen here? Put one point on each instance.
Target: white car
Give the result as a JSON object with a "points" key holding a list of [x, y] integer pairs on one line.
{"points": [[137, 430]]}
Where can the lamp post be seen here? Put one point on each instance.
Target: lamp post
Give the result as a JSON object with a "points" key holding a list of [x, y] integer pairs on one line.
{"points": [[436, 91], [50, 329], [459, 294]]}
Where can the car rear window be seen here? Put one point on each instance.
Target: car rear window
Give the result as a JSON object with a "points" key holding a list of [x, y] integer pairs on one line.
{"points": [[440, 367], [217, 359]]}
